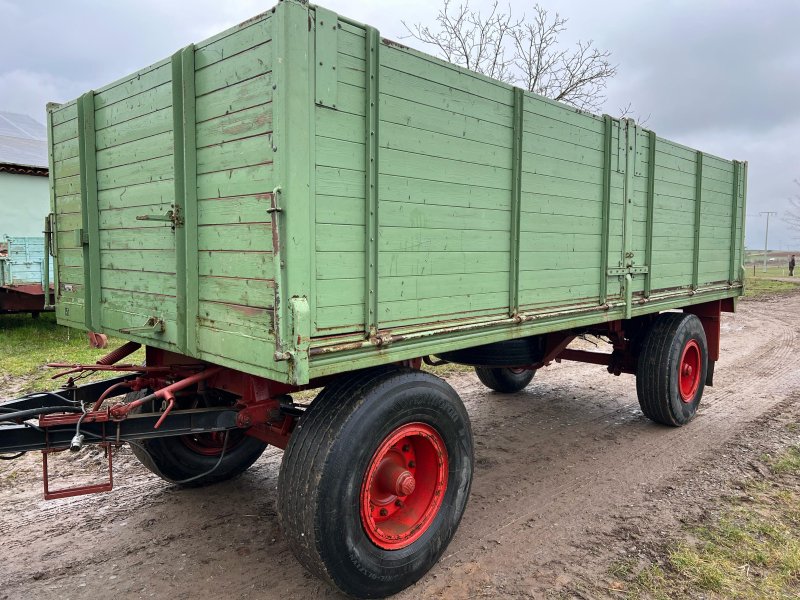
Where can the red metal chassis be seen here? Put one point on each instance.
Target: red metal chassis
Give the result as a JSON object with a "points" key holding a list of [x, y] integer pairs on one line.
{"points": [[259, 400]]}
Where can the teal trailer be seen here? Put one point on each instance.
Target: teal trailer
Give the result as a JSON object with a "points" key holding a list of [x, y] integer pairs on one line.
{"points": [[25, 272], [298, 203]]}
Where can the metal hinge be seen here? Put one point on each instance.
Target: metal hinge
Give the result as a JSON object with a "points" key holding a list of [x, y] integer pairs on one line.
{"points": [[625, 270]]}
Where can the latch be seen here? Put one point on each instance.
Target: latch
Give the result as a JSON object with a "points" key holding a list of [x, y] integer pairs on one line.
{"points": [[154, 324], [173, 215]]}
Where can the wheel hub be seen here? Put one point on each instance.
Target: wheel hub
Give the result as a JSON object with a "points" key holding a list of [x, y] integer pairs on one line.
{"points": [[404, 486], [689, 371]]}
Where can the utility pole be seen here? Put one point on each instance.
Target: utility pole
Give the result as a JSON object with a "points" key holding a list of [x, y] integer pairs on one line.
{"points": [[766, 236]]}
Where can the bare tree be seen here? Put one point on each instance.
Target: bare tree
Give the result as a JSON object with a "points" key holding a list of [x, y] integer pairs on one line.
{"points": [[524, 52], [792, 216]]}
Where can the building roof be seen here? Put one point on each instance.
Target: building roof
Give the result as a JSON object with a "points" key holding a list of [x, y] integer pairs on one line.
{"points": [[23, 143]]}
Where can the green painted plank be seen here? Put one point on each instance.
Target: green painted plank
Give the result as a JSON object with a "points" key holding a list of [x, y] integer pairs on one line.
{"points": [[243, 39], [248, 265], [440, 145], [242, 124], [66, 168], [256, 237], [135, 85], [138, 239], [146, 171], [438, 169], [439, 95], [156, 146], [65, 150], [65, 132], [135, 106], [151, 282], [232, 70], [239, 209], [139, 195], [258, 179], [234, 154], [68, 186], [133, 130], [237, 97], [161, 261], [407, 112], [65, 112], [245, 321], [231, 290]]}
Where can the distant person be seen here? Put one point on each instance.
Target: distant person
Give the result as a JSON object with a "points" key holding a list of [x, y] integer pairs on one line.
{"points": [[791, 266]]}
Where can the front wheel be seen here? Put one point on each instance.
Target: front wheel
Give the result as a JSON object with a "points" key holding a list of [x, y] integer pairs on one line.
{"points": [[375, 479], [199, 459], [505, 380], [672, 369]]}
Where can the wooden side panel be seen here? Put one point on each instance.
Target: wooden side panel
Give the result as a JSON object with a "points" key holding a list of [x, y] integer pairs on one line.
{"points": [[234, 125], [135, 159], [561, 236], [69, 217], [340, 136]]}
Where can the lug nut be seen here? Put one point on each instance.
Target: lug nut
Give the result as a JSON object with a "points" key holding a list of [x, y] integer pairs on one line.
{"points": [[398, 502], [411, 464], [384, 512], [406, 448]]}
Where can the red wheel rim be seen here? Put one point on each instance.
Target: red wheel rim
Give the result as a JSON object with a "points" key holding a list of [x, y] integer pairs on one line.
{"points": [[211, 444], [404, 486], [689, 373]]}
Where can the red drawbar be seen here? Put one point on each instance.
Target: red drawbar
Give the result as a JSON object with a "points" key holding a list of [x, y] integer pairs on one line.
{"points": [[404, 486]]}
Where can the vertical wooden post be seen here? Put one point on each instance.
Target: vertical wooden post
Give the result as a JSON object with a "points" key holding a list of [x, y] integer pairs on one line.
{"points": [[608, 123], [371, 170], [698, 201], [651, 202], [734, 218], [90, 236], [516, 200], [185, 161]]}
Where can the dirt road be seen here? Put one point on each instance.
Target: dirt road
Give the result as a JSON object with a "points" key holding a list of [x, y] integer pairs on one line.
{"points": [[560, 467]]}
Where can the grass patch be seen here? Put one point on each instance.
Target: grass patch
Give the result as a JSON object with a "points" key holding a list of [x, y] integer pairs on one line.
{"points": [[760, 283], [28, 344], [789, 462], [751, 550]]}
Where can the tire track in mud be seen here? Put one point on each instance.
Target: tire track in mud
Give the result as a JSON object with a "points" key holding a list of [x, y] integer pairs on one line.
{"points": [[552, 463]]}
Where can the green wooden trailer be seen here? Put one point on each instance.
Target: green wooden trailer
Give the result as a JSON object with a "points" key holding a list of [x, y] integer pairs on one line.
{"points": [[297, 202]]}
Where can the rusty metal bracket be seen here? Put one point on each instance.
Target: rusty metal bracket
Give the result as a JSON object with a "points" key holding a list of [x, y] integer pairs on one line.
{"points": [[80, 490], [154, 324], [173, 215]]}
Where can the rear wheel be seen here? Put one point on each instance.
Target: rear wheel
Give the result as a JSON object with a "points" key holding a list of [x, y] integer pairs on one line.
{"points": [[375, 479], [198, 459], [672, 368], [506, 380]]}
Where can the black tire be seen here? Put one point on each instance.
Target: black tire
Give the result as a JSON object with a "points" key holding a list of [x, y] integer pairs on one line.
{"points": [[505, 380], [180, 458], [509, 353], [323, 478], [658, 376]]}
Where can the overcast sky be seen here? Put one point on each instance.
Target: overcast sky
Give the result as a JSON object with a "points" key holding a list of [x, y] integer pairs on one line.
{"points": [[721, 76]]}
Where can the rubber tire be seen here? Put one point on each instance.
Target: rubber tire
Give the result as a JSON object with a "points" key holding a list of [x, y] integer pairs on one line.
{"points": [[657, 376], [508, 353], [503, 379], [326, 460], [174, 461]]}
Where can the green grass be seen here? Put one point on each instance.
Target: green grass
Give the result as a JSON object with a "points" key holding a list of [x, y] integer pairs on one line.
{"points": [[28, 344], [750, 551], [764, 283]]}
